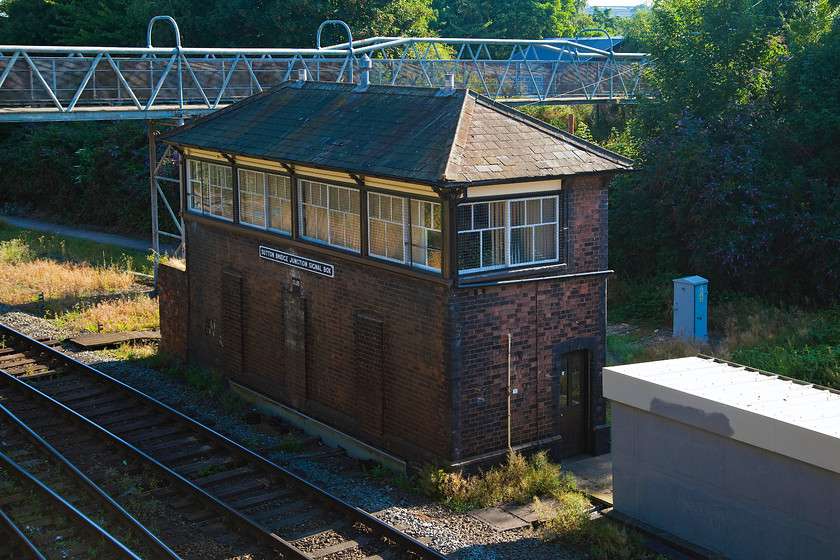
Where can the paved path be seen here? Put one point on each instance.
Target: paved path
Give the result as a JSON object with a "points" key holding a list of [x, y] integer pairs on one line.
{"points": [[98, 237]]}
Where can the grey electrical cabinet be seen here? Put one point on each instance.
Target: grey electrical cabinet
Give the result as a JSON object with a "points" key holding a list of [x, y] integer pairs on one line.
{"points": [[691, 296]]}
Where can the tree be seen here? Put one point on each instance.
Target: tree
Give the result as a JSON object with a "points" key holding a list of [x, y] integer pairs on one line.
{"points": [[737, 157], [515, 19]]}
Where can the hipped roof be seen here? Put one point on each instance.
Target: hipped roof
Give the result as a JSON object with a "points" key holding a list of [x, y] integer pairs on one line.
{"points": [[446, 138]]}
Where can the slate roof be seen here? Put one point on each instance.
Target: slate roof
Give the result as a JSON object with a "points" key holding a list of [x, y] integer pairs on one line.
{"points": [[422, 135]]}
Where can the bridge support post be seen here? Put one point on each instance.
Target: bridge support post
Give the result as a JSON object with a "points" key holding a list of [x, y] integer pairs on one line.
{"points": [[153, 184]]}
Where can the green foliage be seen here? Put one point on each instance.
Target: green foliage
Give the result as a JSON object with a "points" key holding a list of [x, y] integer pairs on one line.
{"points": [[710, 53], [737, 158], [515, 19], [69, 170]]}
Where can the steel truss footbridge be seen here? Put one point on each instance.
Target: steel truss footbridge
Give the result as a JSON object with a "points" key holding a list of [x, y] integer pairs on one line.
{"points": [[47, 83]]}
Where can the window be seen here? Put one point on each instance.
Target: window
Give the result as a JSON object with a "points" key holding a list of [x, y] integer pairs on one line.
{"points": [[505, 233], [426, 238], [387, 231], [210, 189], [265, 200], [396, 235], [330, 214]]}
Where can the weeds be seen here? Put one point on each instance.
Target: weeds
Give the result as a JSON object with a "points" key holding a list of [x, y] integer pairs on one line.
{"points": [[518, 480], [15, 252], [130, 313]]}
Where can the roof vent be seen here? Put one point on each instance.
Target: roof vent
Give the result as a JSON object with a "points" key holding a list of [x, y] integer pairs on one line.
{"points": [[449, 88], [365, 65], [302, 75]]}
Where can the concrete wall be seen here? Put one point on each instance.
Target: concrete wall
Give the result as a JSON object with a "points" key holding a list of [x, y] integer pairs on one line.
{"points": [[728, 496]]}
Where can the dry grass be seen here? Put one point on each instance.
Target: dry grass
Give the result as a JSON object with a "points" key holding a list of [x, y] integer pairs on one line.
{"points": [[22, 282], [77, 296], [132, 313]]}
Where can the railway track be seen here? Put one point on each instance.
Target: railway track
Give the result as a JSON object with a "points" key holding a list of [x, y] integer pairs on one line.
{"points": [[202, 484]]}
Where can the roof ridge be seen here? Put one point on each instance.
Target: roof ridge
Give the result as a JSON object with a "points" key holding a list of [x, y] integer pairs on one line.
{"points": [[452, 163]]}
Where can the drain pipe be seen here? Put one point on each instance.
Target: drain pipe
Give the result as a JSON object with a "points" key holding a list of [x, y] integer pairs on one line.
{"points": [[509, 392]]}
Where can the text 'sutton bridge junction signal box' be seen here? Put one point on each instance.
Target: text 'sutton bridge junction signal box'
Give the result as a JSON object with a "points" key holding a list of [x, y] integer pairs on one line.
{"points": [[691, 295]]}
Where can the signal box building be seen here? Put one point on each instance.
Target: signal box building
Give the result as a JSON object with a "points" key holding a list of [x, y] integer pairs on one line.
{"points": [[422, 269]]}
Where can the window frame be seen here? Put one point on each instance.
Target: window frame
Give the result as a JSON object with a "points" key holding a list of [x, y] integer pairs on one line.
{"points": [[507, 228]]}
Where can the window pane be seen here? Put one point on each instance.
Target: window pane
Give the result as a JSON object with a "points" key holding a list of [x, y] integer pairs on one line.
{"points": [[545, 242], [396, 244], [469, 250], [497, 214], [549, 210], [279, 203], [534, 211], [386, 227], [463, 217], [481, 216], [517, 213], [521, 246]]}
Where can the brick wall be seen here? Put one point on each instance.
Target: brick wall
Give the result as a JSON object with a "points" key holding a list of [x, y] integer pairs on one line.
{"points": [[363, 350], [545, 320], [173, 298]]}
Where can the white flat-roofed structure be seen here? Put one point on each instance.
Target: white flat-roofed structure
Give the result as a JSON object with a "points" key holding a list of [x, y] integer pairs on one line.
{"points": [[738, 461]]}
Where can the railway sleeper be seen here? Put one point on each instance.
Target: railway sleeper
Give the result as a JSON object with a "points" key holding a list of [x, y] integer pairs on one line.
{"points": [[69, 378], [69, 393], [120, 411], [83, 404], [227, 493], [189, 469], [185, 454], [34, 378], [302, 520], [358, 542], [125, 432], [264, 516], [223, 476], [259, 499], [168, 444]]}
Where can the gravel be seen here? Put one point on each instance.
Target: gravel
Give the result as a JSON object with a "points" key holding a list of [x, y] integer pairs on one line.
{"points": [[459, 536]]}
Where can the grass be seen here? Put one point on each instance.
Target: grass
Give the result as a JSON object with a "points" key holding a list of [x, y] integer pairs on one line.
{"points": [[82, 250], [73, 294], [785, 340], [127, 313]]}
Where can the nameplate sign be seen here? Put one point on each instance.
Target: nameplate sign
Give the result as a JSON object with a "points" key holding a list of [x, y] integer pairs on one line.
{"points": [[317, 267]]}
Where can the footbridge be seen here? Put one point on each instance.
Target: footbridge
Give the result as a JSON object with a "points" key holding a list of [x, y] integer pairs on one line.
{"points": [[171, 84], [43, 83]]}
